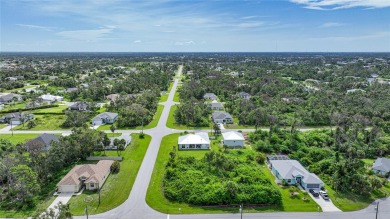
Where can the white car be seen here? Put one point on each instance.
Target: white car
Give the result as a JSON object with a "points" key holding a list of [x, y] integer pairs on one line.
{"points": [[324, 195]]}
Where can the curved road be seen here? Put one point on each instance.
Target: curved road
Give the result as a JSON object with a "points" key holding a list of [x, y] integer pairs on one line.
{"points": [[135, 206]]}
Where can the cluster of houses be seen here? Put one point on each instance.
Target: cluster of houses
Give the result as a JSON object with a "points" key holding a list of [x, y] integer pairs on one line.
{"points": [[201, 140], [17, 118]]}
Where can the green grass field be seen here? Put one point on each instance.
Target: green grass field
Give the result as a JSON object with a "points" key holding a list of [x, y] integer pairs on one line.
{"points": [[3, 125], [152, 124], [55, 110], [176, 97], [155, 197], [45, 122], [118, 186], [18, 138], [172, 124]]}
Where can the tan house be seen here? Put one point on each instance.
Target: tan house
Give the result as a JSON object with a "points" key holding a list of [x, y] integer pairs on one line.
{"points": [[92, 176]]}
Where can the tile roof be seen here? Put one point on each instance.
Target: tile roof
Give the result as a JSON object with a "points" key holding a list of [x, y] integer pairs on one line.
{"points": [[91, 172]]}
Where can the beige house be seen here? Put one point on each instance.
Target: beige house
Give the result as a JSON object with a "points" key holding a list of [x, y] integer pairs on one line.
{"points": [[92, 176]]}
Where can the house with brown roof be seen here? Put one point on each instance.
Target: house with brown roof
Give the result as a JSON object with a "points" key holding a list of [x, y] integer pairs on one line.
{"points": [[92, 176]]}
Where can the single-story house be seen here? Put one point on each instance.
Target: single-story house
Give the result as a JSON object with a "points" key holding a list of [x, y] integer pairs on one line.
{"points": [[222, 117], [210, 96], [92, 176], [49, 99], [127, 139], [72, 89], [277, 157], [14, 118], [11, 78], [52, 77], [10, 97], [105, 118], [381, 166], [43, 142], [198, 140], [233, 139], [80, 106], [33, 104], [355, 90], [292, 172], [84, 85], [244, 95], [112, 97], [215, 105]]}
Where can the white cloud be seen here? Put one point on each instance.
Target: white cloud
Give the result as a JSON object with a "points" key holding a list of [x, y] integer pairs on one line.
{"points": [[248, 17], [331, 24], [29, 26], [86, 35], [251, 24], [137, 41], [185, 43], [340, 4]]}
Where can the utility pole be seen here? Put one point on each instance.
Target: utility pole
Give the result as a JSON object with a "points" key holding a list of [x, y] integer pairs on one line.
{"points": [[377, 209], [241, 210], [86, 210]]}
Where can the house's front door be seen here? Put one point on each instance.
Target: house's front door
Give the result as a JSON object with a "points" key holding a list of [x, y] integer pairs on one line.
{"points": [[298, 180]]}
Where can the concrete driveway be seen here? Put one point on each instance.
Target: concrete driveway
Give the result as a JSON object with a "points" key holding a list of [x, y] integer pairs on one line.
{"points": [[326, 205], [62, 197]]}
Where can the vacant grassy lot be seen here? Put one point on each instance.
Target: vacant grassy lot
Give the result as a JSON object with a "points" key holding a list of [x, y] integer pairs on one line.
{"points": [[18, 138], [55, 110], [152, 124], [155, 197], [3, 125], [45, 122], [118, 186], [172, 124]]}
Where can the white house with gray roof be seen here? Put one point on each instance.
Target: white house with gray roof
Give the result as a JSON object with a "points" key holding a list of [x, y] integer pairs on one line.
{"points": [[233, 139], [210, 96], [292, 172], [105, 118], [198, 140], [215, 105], [222, 117], [381, 166]]}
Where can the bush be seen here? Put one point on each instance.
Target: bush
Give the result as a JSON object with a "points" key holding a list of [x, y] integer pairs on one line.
{"points": [[115, 167]]}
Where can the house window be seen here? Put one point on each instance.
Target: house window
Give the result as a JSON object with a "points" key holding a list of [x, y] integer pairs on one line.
{"points": [[92, 185], [289, 180], [183, 146]]}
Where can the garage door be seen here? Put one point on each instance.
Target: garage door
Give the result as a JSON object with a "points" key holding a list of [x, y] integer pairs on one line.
{"points": [[313, 186], [67, 188]]}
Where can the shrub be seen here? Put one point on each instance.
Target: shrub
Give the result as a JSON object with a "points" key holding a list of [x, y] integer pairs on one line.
{"points": [[115, 167]]}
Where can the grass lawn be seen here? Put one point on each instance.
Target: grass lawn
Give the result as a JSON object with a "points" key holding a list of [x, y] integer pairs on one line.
{"points": [[56, 110], [45, 122], [118, 186], [152, 124], [42, 206], [163, 98], [3, 126], [176, 97], [102, 110], [155, 197], [18, 138], [172, 124]]}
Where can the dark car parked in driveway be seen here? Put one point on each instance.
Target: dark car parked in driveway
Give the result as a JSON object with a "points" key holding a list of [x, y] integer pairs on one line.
{"points": [[324, 195], [314, 192]]}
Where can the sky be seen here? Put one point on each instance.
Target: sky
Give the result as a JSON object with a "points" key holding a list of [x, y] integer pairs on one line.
{"points": [[195, 25]]}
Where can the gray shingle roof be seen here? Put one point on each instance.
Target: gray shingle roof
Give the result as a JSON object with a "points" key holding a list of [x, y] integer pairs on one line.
{"points": [[105, 115], [44, 140], [289, 168], [382, 164], [221, 115]]}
